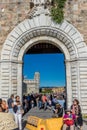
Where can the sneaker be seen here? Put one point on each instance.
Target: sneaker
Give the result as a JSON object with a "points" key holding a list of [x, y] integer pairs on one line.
{"points": [[78, 126]]}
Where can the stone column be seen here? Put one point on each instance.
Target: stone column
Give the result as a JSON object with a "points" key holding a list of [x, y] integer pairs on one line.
{"points": [[68, 84], [83, 84], [5, 77], [19, 80], [78, 82], [75, 79], [14, 77], [0, 78]]}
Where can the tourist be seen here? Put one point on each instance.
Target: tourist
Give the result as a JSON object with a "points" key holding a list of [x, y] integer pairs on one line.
{"points": [[54, 100], [29, 100], [26, 106], [69, 120], [49, 103], [32, 101], [58, 111], [44, 101], [51, 97], [1, 109], [40, 101], [11, 103], [4, 106], [61, 101], [18, 111], [76, 109]]}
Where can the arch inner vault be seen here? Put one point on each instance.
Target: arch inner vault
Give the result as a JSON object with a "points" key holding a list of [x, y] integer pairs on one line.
{"points": [[41, 28]]}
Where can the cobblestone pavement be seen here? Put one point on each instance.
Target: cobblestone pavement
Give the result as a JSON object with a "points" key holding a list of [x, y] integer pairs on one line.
{"points": [[43, 114]]}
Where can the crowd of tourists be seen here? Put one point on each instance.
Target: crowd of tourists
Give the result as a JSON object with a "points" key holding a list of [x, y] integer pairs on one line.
{"points": [[56, 103], [72, 117], [42, 101]]}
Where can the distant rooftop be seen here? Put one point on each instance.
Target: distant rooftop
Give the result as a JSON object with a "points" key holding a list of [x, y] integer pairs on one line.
{"points": [[52, 86]]}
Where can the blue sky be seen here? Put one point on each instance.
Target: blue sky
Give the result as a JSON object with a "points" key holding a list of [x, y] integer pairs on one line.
{"points": [[50, 66]]}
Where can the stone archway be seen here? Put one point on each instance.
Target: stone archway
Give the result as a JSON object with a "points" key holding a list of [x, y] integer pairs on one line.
{"points": [[57, 43], [64, 36]]}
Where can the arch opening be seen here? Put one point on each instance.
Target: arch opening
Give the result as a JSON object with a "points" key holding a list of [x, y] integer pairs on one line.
{"points": [[54, 45], [51, 76]]}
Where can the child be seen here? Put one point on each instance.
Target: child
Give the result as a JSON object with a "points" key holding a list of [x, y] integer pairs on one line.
{"points": [[69, 119]]}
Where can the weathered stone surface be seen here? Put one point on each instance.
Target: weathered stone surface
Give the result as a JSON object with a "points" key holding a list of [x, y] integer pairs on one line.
{"points": [[12, 13]]}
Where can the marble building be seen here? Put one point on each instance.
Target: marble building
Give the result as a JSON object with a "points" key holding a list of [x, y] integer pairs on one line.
{"points": [[32, 85]]}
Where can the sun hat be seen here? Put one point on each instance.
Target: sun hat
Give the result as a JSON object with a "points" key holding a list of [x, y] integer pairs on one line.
{"points": [[68, 110]]}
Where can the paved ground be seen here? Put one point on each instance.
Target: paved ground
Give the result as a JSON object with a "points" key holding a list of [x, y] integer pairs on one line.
{"points": [[42, 114], [39, 113]]}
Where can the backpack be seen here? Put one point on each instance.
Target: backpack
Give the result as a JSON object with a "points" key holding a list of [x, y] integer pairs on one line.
{"points": [[15, 108]]}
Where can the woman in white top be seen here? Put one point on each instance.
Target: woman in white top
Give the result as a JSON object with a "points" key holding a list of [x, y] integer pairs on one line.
{"points": [[18, 112]]}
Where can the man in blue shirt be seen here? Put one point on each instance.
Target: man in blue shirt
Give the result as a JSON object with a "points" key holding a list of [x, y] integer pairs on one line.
{"points": [[11, 103]]}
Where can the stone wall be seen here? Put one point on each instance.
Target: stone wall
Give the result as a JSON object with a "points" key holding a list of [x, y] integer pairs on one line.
{"points": [[12, 12], [76, 14]]}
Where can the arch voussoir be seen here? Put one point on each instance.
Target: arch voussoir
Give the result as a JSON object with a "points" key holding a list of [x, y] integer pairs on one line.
{"points": [[25, 37]]}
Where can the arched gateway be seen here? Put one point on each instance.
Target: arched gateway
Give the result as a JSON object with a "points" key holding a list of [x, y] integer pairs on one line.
{"points": [[41, 29]]}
